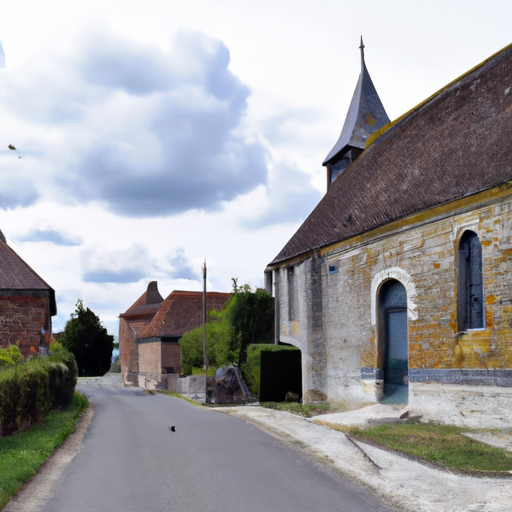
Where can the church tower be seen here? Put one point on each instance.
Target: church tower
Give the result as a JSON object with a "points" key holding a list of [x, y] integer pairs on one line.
{"points": [[365, 116]]}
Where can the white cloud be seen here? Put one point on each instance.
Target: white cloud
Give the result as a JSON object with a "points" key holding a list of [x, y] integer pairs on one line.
{"points": [[157, 147], [146, 133], [2, 56]]}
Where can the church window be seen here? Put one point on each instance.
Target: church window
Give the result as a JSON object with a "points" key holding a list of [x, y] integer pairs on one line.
{"points": [[470, 292]]}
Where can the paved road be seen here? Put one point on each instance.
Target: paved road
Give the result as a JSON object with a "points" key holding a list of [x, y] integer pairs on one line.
{"points": [[131, 461]]}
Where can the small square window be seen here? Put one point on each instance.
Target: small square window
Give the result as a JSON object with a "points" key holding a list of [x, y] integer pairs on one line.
{"points": [[333, 269]]}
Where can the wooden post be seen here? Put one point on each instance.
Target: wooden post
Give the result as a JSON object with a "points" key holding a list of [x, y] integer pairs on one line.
{"points": [[205, 357]]}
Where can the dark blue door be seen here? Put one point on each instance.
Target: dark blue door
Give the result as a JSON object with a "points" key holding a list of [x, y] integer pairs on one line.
{"points": [[393, 329]]}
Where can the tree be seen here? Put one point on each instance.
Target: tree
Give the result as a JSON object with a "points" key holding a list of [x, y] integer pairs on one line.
{"points": [[251, 318], [89, 341], [247, 318], [217, 346]]}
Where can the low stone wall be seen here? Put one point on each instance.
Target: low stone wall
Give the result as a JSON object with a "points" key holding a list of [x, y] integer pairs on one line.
{"points": [[191, 386]]}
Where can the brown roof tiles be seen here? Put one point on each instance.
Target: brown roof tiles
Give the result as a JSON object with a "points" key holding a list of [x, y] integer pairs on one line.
{"points": [[181, 312], [15, 274], [455, 144]]}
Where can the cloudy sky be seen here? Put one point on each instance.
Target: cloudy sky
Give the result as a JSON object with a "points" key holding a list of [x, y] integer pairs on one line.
{"points": [[153, 134]]}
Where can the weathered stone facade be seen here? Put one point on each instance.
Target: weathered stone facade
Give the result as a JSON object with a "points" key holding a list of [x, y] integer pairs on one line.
{"points": [[339, 333], [400, 216]]}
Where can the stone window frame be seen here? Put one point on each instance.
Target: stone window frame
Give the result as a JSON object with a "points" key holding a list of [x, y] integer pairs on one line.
{"points": [[466, 277], [400, 275]]}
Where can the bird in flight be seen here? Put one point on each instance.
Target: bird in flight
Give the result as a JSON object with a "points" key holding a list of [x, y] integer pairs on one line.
{"points": [[10, 146]]}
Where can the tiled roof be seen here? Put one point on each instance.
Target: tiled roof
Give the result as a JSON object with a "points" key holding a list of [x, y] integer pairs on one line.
{"points": [[15, 274], [455, 144], [181, 312]]}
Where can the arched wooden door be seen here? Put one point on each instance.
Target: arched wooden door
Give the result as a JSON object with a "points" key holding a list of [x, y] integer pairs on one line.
{"points": [[394, 341]]}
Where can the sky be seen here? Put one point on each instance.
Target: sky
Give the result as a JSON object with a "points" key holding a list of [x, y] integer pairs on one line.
{"points": [[154, 135]]}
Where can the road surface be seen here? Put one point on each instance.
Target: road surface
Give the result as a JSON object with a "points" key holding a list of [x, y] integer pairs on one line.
{"points": [[131, 461]]}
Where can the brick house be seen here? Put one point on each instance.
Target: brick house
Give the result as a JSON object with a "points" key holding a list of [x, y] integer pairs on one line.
{"points": [[131, 323], [27, 304], [397, 286], [149, 332]]}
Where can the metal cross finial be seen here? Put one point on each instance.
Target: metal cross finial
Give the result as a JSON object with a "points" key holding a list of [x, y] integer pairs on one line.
{"points": [[361, 46]]}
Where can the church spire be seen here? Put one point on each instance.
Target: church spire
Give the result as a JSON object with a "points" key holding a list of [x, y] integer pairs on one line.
{"points": [[365, 116]]}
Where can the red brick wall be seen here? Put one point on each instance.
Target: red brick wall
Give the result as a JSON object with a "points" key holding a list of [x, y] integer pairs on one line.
{"points": [[21, 320], [171, 356], [128, 350]]}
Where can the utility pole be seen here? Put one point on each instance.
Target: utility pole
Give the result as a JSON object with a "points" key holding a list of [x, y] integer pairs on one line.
{"points": [[205, 357]]}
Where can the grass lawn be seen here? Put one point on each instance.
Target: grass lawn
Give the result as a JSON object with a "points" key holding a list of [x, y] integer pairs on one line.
{"points": [[22, 454], [442, 445]]}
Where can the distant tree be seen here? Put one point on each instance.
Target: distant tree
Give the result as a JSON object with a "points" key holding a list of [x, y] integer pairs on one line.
{"points": [[89, 341]]}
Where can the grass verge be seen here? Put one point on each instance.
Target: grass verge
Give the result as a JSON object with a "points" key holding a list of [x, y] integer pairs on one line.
{"points": [[22, 454], [442, 445], [177, 395]]}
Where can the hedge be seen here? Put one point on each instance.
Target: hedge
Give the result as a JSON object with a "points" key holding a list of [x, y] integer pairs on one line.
{"points": [[30, 390], [251, 370]]}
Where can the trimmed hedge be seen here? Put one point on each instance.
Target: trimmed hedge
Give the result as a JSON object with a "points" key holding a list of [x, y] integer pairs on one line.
{"points": [[31, 389], [251, 370]]}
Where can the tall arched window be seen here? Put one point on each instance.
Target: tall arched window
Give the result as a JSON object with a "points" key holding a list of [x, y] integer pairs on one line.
{"points": [[471, 299]]}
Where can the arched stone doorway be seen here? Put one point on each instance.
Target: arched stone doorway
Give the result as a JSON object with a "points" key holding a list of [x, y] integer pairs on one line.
{"points": [[393, 357]]}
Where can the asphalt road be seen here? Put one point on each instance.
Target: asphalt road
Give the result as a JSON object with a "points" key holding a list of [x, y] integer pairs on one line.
{"points": [[130, 460]]}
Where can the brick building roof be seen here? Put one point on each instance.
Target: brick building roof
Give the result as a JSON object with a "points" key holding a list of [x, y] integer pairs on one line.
{"points": [[146, 305], [455, 144], [15, 274], [181, 312]]}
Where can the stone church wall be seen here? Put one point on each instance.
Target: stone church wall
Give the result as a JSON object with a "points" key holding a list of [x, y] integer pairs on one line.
{"points": [[328, 308]]}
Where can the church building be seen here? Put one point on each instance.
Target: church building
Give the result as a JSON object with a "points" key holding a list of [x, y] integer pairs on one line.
{"points": [[397, 288]]}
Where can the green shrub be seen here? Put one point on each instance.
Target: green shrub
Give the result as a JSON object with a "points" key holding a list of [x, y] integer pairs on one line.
{"points": [[10, 356], [34, 395], [24, 397], [246, 318], [30, 390], [63, 375]]}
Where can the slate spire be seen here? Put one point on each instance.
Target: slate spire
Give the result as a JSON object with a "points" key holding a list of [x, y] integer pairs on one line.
{"points": [[365, 116]]}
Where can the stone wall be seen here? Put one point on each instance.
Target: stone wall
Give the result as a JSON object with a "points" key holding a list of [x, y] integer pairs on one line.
{"points": [[338, 333]]}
